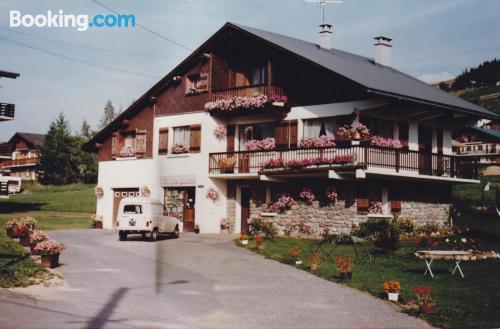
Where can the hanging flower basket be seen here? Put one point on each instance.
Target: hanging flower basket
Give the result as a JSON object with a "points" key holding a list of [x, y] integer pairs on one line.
{"points": [[220, 132], [145, 191], [213, 194], [99, 191]]}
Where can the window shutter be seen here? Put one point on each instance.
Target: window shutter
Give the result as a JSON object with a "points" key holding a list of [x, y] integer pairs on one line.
{"points": [[395, 200], [195, 141], [115, 144], [140, 143], [293, 133], [281, 134], [362, 205], [203, 82], [163, 142], [231, 129]]}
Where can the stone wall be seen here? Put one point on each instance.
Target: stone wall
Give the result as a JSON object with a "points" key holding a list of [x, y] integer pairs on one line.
{"points": [[231, 206], [422, 213], [342, 217]]}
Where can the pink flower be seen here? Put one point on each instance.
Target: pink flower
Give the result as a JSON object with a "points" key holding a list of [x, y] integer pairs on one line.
{"points": [[259, 145], [127, 152], [49, 247], [179, 148], [220, 132], [386, 142], [236, 103], [213, 194], [319, 142], [308, 195]]}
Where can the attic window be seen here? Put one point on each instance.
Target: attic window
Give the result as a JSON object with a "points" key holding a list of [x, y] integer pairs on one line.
{"points": [[196, 83]]}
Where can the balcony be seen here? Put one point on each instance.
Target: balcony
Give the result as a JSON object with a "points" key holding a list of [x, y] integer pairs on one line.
{"points": [[19, 163], [478, 149], [270, 107], [6, 111], [319, 161]]}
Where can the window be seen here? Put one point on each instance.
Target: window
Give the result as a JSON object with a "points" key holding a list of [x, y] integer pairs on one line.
{"points": [[189, 137], [163, 141], [319, 127], [196, 83], [257, 131], [256, 75], [404, 129], [379, 127], [132, 209]]}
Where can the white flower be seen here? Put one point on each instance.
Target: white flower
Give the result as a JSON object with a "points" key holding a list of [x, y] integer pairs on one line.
{"points": [[464, 240], [447, 240]]}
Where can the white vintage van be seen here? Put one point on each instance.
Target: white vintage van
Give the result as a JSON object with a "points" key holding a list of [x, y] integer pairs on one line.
{"points": [[141, 215]]}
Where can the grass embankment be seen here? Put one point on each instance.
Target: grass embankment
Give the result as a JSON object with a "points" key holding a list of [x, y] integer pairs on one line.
{"points": [[55, 208], [469, 302]]}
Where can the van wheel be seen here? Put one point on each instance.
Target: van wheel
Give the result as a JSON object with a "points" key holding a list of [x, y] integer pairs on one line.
{"points": [[175, 234], [122, 235], [154, 235]]}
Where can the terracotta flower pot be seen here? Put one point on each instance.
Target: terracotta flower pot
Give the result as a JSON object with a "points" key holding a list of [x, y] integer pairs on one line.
{"points": [[50, 261], [32, 248], [10, 233], [98, 224], [427, 309], [346, 275], [314, 266], [24, 240]]}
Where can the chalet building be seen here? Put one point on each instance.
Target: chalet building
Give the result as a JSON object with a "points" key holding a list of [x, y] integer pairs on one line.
{"points": [[482, 144], [7, 109], [23, 160], [253, 119]]}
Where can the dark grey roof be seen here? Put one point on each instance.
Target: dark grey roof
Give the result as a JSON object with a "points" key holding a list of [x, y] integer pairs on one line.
{"points": [[35, 139], [489, 132], [377, 78]]}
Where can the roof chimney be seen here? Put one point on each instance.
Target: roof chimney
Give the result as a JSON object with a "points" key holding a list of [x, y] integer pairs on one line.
{"points": [[383, 50], [325, 36]]}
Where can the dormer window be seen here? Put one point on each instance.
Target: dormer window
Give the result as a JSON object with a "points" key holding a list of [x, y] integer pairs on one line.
{"points": [[196, 83]]}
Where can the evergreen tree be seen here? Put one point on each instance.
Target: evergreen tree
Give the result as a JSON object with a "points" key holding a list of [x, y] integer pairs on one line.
{"points": [[109, 114], [86, 130], [59, 154]]}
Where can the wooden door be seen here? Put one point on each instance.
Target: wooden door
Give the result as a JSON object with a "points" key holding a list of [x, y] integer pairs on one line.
{"points": [[245, 209], [189, 210], [425, 150], [120, 193]]}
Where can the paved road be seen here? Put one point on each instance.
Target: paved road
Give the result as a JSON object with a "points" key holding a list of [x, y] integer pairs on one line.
{"points": [[197, 281]]}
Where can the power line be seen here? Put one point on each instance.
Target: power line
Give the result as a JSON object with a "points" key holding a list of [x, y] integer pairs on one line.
{"points": [[145, 27], [25, 45], [84, 46]]}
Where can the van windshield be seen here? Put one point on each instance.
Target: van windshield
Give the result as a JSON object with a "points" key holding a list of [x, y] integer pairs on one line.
{"points": [[132, 209]]}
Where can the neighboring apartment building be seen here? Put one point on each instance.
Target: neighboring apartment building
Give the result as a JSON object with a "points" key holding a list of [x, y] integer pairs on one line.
{"points": [[478, 143], [248, 119], [23, 160]]}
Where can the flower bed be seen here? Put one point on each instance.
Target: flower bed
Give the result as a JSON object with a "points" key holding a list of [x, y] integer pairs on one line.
{"points": [[179, 148], [300, 164], [386, 142], [237, 103], [260, 145], [318, 142]]}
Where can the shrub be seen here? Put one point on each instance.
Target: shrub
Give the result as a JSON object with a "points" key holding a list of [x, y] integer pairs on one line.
{"points": [[383, 232], [406, 226], [260, 226]]}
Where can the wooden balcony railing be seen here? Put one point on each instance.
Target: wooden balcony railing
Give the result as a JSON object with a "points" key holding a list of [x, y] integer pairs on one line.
{"points": [[246, 91], [19, 162], [6, 111], [366, 156], [478, 149]]}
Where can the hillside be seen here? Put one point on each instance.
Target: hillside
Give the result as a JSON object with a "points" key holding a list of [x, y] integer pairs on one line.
{"points": [[487, 97]]}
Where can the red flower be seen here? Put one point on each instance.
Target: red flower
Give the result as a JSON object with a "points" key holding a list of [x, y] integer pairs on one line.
{"points": [[418, 241]]}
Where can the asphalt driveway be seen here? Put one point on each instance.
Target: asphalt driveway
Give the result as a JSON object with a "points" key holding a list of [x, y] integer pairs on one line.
{"points": [[197, 281]]}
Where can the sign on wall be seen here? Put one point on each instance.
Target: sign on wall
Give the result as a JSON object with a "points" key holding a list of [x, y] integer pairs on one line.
{"points": [[178, 180]]}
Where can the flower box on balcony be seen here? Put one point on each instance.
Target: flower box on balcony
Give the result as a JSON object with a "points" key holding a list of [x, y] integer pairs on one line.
{"points": [[126, 158], [279, 104]]}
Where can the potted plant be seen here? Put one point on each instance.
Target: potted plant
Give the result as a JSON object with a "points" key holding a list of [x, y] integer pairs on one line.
{"points": [[344, 267], [10, 228], [29, 221], [392, 289], [35, 238], [294, 252], [278, 100], [315, 259], [259, 243], [424, 300], [227, 165], [244, 239], [98, 221], [197, 229], [23, 232], [50, 251]]}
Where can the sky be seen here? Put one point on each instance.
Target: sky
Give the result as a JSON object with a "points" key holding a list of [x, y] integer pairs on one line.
{"points": [[434, 40]]}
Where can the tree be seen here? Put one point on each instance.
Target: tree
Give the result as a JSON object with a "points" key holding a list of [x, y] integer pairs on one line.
{"points": [[109, 114], [59, 154], [86, 130]]}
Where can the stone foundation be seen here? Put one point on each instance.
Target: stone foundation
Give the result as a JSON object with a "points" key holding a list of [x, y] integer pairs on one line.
{"points": [[231, 207], [341, 217]]}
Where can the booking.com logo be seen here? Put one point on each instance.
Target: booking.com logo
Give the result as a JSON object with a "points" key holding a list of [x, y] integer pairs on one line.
{"points": [[81, 22]]}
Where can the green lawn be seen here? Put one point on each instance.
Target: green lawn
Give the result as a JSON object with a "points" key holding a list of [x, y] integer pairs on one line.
{"points": [[55, 208], [470, 302]]}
